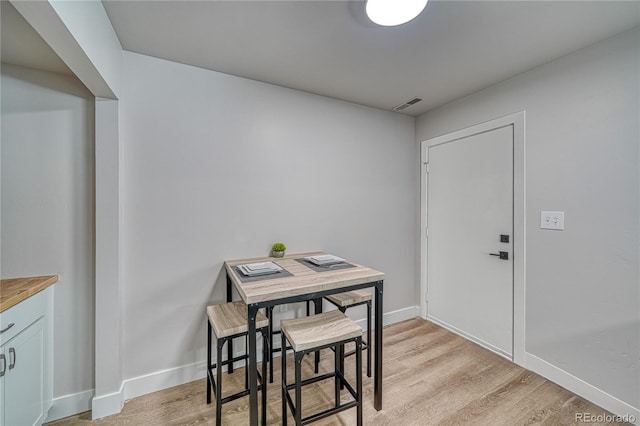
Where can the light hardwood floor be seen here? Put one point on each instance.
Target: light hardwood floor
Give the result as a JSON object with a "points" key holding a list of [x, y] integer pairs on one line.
{"points": [[431, 377]]}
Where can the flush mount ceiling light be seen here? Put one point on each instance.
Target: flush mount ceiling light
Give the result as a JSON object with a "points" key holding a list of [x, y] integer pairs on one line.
{"points": [[389, 13]]}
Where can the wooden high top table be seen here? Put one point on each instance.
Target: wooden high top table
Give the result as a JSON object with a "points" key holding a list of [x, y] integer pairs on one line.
{"points": [[303, 284]]}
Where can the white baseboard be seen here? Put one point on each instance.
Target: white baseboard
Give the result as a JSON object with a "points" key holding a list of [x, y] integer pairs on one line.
{"points": [[399, 315], [582, 388], [164, 379], [68, 405], [108, 405], [159, 380], [111, 404]]}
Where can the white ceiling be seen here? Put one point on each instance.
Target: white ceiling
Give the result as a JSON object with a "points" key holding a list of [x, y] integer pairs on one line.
{"points": [[330, 48]]}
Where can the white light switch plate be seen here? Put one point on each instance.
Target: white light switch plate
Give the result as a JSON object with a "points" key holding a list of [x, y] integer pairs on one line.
{"points": [[552, 220]]}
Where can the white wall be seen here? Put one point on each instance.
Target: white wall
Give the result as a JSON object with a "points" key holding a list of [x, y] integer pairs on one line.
{"points": [[218, 167], [47, 206], [582, 157]]}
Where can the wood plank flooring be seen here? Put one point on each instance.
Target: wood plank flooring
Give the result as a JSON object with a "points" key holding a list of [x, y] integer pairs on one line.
{"points": [[431, 377]]}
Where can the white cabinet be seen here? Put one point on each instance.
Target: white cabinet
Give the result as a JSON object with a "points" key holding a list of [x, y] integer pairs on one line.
{"points": [[25, 361], [23, 386]]}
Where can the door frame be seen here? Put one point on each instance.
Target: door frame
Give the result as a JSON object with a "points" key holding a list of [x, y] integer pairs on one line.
{"points": [[517, 120]]}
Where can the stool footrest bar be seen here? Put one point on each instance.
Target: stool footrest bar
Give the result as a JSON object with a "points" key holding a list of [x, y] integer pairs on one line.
{"points": [[328, 412]]}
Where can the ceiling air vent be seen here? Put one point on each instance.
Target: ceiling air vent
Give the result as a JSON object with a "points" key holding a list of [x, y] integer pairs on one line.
{"points": [[407, 104]]}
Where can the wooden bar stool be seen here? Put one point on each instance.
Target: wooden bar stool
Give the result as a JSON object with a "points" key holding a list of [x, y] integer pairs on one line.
{"points": [[349, 299], [309, 334], [228, 321]]}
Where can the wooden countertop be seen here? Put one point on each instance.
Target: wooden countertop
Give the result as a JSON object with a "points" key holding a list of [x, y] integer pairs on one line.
{"points": [[15, 290]]}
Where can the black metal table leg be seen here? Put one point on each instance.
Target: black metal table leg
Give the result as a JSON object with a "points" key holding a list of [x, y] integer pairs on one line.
{"points": [[368, 338], [269, 312], [377, 380], [230, 345], [209, 342], [265, 357], [252, 311], [318, 310]]}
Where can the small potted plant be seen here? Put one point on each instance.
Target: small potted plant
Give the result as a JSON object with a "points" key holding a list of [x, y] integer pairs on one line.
{"points": [[277, 250]]}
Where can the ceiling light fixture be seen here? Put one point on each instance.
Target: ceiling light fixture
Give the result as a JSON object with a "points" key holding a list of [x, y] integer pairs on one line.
{"points": [[390, 13]]}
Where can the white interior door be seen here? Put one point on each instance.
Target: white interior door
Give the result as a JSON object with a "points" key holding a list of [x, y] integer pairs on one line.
{"points": [[469, 208]]}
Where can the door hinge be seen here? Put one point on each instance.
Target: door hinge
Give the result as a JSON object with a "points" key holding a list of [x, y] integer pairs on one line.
{"points": [[426, 232], [427, 167]]}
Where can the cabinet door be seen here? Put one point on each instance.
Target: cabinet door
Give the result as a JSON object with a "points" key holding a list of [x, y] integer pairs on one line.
{"points": [[23, 387]]}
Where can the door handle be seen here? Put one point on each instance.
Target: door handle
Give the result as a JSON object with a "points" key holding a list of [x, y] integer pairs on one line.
{"points": [[4, 364], [12, 364], [503, 255]]}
